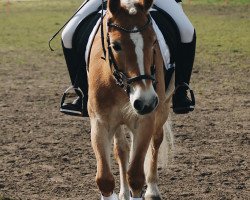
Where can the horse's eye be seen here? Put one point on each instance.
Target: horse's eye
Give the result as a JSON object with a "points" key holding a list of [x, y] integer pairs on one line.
{"points": [[116, 46]]}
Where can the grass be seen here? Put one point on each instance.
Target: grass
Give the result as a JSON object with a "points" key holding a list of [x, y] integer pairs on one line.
{"points": [[222, 36], [217, 2], [28, 25], [220, 31]]}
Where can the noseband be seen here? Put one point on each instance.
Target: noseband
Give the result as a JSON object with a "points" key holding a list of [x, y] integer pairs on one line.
{"points": [[120, 77]]}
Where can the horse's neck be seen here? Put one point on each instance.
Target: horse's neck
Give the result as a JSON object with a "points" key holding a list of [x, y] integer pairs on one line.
{"points": [[97, 53], [102, 88]]}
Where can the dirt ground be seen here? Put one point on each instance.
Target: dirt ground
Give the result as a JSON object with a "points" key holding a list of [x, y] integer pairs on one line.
{"points": [[47, 155]]}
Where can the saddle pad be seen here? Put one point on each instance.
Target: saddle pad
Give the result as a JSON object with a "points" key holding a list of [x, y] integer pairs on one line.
{"points": [[169, 30], [82, 34]]}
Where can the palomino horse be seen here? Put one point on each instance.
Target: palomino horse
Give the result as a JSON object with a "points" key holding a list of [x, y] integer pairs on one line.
{"points": [[123, 92]]}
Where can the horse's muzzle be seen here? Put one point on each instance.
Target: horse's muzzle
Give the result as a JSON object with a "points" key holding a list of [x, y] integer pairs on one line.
{"points": [[143, 107]]}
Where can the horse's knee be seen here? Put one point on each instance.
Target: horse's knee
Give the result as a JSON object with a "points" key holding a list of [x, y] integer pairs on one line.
{"points": [[106, 184], [136, 179]]}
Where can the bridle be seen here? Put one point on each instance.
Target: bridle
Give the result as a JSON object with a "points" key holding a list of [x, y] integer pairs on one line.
{"points": [[120, 77]]}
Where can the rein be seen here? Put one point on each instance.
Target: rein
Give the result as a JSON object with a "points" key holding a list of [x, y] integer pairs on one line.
{"points": [[120, 77]]}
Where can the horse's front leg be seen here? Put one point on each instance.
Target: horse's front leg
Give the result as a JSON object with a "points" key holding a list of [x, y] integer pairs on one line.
{"points": [[101, 139], [140, 143], [151, 164], [121, 152]]}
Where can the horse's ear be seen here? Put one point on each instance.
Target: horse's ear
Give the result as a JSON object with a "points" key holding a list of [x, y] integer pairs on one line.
{"points": [[114, 6], [147, 4]]}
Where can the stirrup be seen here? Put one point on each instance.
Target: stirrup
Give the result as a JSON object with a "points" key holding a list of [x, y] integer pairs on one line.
{"points": [[63, 104], [187, 109]]}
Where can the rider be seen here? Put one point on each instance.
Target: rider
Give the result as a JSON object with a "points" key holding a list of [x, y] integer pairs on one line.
{"points": [[183, 65]]}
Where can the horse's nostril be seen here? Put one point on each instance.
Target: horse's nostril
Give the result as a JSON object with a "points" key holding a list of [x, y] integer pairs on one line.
{"points": [[138, 105]]}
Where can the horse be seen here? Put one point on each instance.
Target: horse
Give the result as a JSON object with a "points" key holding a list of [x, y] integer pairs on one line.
{"points": [[127, 89]]}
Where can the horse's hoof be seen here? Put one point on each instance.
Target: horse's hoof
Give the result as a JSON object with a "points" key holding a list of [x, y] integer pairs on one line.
{"points": [[152, 198]]}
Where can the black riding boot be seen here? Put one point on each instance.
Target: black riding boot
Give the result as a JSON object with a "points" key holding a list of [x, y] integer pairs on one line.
{"points": [[182, 104], [78, 77]]}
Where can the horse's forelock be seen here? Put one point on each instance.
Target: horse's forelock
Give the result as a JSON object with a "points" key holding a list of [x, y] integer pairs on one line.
{"points": [[130, 6]]}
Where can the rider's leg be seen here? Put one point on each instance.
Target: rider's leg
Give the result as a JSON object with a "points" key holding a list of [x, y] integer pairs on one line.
{"points": [[184, 65], [79, 106], [68, 32], [185, 57]]}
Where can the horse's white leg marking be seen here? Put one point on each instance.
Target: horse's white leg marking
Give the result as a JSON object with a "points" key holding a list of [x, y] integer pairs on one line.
{"points": [[152, 190], [138, 42], [112, 197]]}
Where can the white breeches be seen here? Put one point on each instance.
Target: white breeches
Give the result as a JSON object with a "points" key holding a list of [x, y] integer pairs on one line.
{"points": [[69, 30], [175, 10], [170, 6]]}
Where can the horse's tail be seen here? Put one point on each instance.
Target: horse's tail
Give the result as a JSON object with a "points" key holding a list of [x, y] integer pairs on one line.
{"points": [[166, 151]]}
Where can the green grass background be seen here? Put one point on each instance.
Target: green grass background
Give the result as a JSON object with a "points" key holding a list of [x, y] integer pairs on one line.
{"points": [[29, 24], [216, 2], [223, 32]]}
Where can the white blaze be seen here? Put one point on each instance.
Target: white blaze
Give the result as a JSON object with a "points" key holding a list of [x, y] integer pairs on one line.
{"points": [[138, 42], [137, 92]]}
